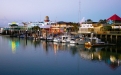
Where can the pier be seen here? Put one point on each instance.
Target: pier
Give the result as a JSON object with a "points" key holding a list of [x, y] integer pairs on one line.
{"points": [[109, 36]]}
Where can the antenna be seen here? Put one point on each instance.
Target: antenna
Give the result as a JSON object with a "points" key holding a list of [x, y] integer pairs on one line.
{"points": [[40, 17], [79, 14]]}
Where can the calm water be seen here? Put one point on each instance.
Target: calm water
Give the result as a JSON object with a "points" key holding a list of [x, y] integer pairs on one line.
{"points": [[21, 57]]}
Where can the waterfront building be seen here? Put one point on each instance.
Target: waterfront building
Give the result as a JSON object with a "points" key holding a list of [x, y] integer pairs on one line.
{"points": [[14, 26], [61, 27], [1, 30], [86, 28], [15, 23], [105, 26], [46, 24], [112, 24], [115, 21]]}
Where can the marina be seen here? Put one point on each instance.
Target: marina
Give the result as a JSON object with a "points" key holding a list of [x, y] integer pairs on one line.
{"points": [[41, 57], [60, 37]]}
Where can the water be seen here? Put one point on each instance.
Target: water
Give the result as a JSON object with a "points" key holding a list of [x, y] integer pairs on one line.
{"points": [[21, 57]]}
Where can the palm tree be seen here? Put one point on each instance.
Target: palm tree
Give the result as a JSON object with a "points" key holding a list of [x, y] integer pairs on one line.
{"points": [[101, 21]]}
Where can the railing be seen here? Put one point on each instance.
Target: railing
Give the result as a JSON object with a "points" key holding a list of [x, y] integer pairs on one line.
{"points": [[109, 32]]}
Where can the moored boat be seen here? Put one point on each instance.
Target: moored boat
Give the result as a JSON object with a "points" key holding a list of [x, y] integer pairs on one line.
{"points": [[56, 39], [97, 42]]}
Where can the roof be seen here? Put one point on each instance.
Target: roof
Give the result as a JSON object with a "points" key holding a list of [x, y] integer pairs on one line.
{"points": [[114, 18]]}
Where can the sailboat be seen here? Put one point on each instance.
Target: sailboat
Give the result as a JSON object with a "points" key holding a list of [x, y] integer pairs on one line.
{"points": [[81, 39]]}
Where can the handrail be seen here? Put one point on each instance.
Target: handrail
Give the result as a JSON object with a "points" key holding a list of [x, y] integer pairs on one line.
{"points": [[109, 32]]}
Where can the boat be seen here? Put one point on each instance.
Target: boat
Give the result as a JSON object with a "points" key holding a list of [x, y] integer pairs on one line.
{"points": [[81, 40], [97, 42], [42, 38], [65, 38], [50, 38], [56, 39], [22, 36], [73, 41]]}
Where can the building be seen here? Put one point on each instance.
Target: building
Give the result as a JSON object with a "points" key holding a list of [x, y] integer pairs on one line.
{"points": [[86, 28], [115, 21], [61, 27], [1, 30], [45, 26]]}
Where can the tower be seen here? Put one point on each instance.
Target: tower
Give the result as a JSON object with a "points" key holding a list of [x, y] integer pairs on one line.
{"points": [[46, 19]]}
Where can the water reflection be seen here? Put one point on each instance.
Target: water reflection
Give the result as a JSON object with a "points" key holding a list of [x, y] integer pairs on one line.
{"points": [[14, 44], [110, 55], [104, 54]]}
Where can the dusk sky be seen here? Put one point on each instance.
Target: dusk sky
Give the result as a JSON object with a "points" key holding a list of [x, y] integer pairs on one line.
{"points": [[59, 10]]}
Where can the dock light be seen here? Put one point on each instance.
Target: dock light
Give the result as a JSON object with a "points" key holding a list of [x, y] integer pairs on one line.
{"points": [[38, 32], [26, 34]]}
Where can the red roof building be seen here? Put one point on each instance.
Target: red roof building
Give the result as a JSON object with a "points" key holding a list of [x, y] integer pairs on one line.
{"points": [[115, 21], [114, 18]]}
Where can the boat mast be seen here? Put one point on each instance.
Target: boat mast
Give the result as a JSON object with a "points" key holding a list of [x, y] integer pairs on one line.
{"points": [[79, 13], [40, 17]]}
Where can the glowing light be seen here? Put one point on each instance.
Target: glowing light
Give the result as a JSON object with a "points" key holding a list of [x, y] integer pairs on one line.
{"points": [[112, 59]]}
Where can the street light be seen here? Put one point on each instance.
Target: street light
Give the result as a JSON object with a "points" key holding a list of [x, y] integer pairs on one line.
{"points": [[38, 32], [26, 34]]}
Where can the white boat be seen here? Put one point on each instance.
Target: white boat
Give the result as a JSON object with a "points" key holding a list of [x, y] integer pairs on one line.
{"points": [[81, 41], [50, 38], [65, 38], [41, 38], [97, 42], [56, 39], [73, 41]]}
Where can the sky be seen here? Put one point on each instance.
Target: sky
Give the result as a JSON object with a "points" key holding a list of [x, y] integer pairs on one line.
{"points": [[57, 10]]}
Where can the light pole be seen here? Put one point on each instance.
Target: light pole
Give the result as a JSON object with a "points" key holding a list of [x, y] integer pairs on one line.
{"points": [[38, 32], [26, 34], [46, 36], [19, 33], [11, 31], [26, 37]]}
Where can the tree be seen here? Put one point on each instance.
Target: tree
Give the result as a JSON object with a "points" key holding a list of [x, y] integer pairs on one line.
{"points": [[89, 21], [105, 21], [102, 21], [106, 28], [35, 28], [75, 26]]}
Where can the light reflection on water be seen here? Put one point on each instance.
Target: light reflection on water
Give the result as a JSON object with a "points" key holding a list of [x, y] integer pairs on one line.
{"points": [[21, 57]]}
